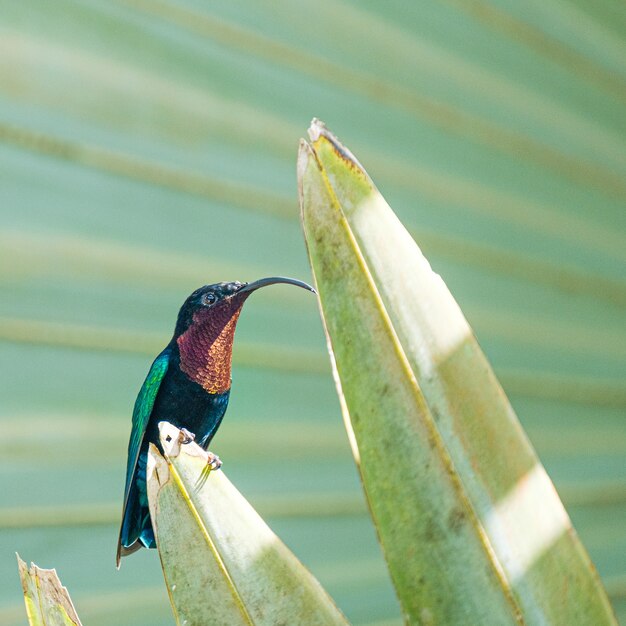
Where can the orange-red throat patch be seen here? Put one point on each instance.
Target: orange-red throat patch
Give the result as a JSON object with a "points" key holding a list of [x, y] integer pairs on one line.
{"points": [[206, 347]]}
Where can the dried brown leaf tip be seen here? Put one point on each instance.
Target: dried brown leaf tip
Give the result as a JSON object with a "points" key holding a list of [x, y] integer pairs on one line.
{"points": [[44, 593]]}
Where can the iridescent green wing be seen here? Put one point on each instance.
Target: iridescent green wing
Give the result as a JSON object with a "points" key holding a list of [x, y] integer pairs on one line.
{"points": [[141, 413]]}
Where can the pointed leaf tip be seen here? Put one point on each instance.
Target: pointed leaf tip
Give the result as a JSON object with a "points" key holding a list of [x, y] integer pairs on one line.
{"points": [[316, 129], [47, 601], [318, 132]]}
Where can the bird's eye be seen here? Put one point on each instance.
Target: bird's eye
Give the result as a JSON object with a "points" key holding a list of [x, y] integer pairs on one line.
{"points": [[209, 298]]}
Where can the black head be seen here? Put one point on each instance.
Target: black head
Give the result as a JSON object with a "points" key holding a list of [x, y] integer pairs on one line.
{"points": [[216, 297]]}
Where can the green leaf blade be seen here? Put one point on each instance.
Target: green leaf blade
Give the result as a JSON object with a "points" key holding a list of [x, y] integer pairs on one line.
{"points": [[521, 531], [235, 560], [404, 469]]}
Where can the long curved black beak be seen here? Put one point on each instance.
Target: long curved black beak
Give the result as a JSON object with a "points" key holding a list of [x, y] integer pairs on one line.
{"points": [[273, 280]]}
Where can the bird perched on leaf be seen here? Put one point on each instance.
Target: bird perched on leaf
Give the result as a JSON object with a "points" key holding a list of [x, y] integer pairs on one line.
{"points": [[188, 385]]}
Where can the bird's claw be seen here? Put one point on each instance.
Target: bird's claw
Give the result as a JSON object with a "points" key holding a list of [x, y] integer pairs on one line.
{"points": [[213, 461], [186, 436]]}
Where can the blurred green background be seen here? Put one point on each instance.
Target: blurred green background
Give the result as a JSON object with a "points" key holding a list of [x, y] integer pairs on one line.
{"points": [[148, 147]]}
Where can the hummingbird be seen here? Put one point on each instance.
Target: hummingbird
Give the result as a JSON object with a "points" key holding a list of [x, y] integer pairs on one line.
{"points": [[187, 385]]}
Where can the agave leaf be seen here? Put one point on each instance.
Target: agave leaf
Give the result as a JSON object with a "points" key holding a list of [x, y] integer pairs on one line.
{"points": [[47, 602], [471, 526], [222, 564]]}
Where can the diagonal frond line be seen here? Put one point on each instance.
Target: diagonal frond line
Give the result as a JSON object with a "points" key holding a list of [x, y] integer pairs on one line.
{"points": [[394, 41], [541, 43], [554, 335], [26, 254], [441, 114], [286, 506], [547, 385], [123, 164], [205, 110]]}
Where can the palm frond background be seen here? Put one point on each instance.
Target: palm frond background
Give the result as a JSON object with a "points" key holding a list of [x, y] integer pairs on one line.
{"points": [[148, 147]]}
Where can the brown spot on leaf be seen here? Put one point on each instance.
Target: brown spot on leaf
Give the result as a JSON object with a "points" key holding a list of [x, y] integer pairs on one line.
{"points": [[456, 519]]}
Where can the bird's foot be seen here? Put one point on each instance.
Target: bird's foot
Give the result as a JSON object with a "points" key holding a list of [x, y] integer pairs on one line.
{"points": [[213, 461], [186, 436]]}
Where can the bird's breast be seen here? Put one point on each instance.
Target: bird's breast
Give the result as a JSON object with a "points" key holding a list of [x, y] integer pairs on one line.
{"points": [[186, 404]]}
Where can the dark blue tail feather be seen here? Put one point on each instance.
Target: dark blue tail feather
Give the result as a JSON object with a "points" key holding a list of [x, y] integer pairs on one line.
{"points": [[137, 525]]}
